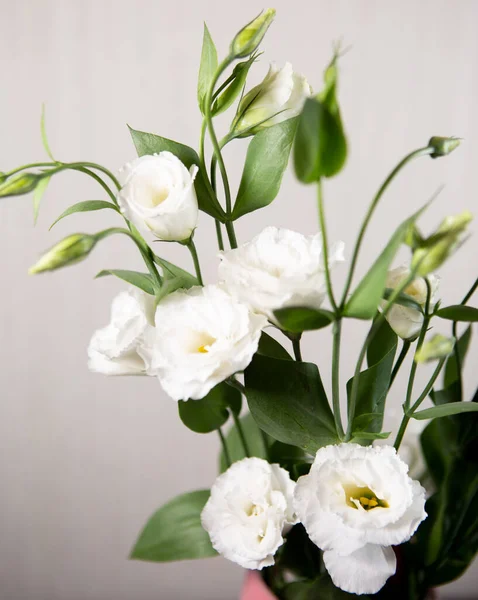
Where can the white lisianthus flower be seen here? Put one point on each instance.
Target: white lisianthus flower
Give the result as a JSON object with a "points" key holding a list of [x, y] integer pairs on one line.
{"points": [[280, 96], [202, 337], [117, 349], [278, 268], [158, 195], [249, 510], [355, 504], [404, 320]]}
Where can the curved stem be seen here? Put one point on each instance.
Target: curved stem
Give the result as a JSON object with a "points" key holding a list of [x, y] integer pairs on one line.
{"points": [[335, 378], [225, 449], [325, 247], [192, 249], [405, 348], [353, 263], [296, 348], [30, 166], [98, 179]]}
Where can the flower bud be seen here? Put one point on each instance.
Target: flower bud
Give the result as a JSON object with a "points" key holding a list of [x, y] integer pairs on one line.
{"points": [[19, 184], [435, 249], [443, 145], [71, 249], [438, 347], [249, 38]]}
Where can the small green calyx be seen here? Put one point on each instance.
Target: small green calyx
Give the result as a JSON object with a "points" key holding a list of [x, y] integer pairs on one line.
{"points": [[442, 146], [249, 38], [70, 250], [18, 184]]}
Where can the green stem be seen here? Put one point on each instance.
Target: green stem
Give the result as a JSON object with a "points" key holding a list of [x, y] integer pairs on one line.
{"points": [[98, 179], [371, 334], [296, 347], [231, 234], [325, 248], [225, 449], [242, 436], [405, 348], [192, 249], [220, 241], [335, 378], [30, 166], [408, 415], [353, 263]]}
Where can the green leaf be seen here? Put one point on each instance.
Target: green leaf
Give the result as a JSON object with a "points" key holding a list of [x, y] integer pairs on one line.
{"points": [[142, 281], [266, 161], [211, 412], [233, 89], [170, 270], [451, 369], [384, 340], [86, 206], [365, 299], [254, 439], [439, 445], [207, 68], [288, 456], [369, 436], [320, 148], [302, 318], [148, 143], [175, 532], [288, 401], [449, 394], [38, 195], [268, 346], [459, 312], [445, 410]]}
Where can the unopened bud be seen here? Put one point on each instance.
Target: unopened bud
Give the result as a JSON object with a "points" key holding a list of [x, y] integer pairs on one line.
{"points": [[443, 145], [249, 38], [70, 250], [438, 347], [18, 184]]}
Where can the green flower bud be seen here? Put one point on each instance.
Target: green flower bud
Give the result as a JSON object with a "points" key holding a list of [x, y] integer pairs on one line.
{"points": [[443, 145], [70, 250], [249, 38], [438, 347], [3, 177], [18, 184], [435, 250]]}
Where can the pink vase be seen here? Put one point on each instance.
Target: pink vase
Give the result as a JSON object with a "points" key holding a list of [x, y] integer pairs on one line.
{"points": [[255, 589]]}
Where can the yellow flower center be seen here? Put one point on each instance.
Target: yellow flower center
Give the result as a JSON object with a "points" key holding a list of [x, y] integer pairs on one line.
{"points": [[158, 196], [356, 496]]}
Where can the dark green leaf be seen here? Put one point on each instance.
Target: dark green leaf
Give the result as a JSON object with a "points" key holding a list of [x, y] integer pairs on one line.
{"points": [[320, 148], [445, 410], [254, 438], [170, 271], [287, 456], [266, 161], [38, 195], [175, 532], [148, 143], [440, 445], [86, 206], [451, 370], [288, 401], [268, 346], [233, 89], [369, 436], [365, 299], [384, 340], [142, 281], [302, 318], [449, 394], [211, 412], [460, 312], [207, 68]]}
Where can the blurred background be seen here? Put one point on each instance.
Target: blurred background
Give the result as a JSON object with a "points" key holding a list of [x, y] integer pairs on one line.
{"points": [[86, 459]]}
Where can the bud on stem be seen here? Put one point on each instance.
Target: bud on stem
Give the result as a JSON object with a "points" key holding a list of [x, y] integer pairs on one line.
{"points": [[71, 249], [249, 38]]}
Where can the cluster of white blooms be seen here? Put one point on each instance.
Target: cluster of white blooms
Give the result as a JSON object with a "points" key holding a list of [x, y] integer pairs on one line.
{"points": [[355, 503]]}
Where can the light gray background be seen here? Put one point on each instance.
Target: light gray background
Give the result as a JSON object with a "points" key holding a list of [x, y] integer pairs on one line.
{"points": [[86, 459]]}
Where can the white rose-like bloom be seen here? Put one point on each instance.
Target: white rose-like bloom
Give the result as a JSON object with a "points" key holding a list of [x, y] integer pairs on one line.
{"points": [[117, 348], [249, 510], [202, 337], [278, 268], [158, 195], [406, 321], [356, 503], [280, 96]]}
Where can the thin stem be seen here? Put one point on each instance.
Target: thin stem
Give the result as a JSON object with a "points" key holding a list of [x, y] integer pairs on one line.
{"points": [[470, 293], [220, 241], [372, 207], [192, 249], [371, 334], [405, 348], [335, 378], [98, 179], [30, 166], [231, 234], [242, 436], [225, 449], [325, 248], [296, 347]]}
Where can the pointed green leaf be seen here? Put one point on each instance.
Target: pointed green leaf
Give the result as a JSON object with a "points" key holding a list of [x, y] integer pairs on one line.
{"points": [[86, 206], [148, 143], [302, 318], [445, 410], [459, 312], [288, 401], [207, 68], [212, 411], [266, 161], [268, 346], [170, 270], [38, 195], [142, 281], [175, 532]]}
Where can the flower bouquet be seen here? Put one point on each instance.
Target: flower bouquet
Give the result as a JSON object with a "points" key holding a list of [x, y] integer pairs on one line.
{"points": [[315, 499]]}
